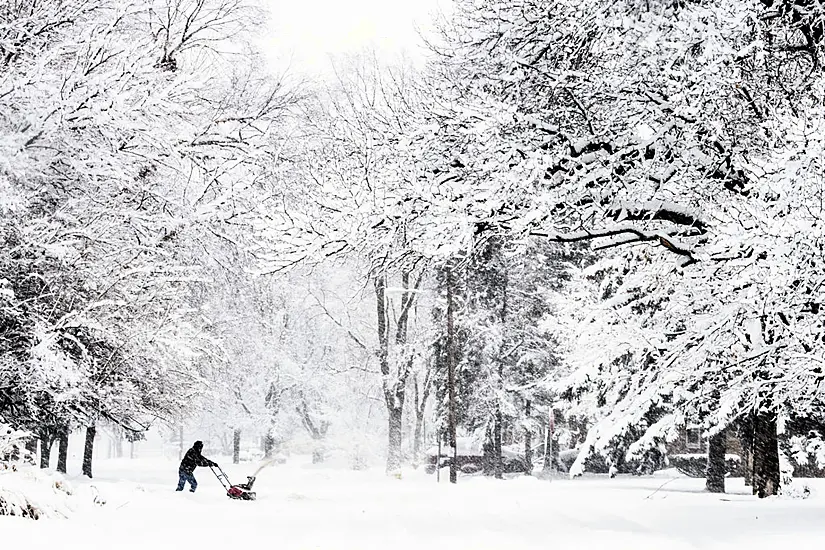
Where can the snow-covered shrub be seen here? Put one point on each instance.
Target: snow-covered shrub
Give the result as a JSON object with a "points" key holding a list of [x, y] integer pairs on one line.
{"points": [[15, 504], [594, 464], [696, 465], [12, 451], [566, 458], [27, 491], [30, 492], [789, 487], [806, 454], [12, 445]]}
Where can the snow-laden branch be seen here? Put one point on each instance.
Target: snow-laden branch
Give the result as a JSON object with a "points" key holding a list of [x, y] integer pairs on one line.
{"points": [[621, 235]]}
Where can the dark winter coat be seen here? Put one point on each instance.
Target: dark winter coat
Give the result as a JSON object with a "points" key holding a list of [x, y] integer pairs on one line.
{"points": [[193, 458]]}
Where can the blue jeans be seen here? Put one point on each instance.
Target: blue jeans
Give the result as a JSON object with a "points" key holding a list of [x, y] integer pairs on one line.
{"points": [[183, 478]]}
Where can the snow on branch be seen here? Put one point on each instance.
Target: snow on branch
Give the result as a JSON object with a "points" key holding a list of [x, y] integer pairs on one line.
{"points": [[658, 210], [621, 235]]}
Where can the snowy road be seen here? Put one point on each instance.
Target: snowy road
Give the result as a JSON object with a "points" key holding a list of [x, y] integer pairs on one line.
{"points": [[310, 508]]}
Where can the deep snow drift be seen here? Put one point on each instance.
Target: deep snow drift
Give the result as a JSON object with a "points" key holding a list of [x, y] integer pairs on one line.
{"points": [[304, 507]]}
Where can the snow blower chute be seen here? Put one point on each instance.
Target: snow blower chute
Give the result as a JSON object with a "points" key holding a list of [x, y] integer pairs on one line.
{"points": [[242, 491]]}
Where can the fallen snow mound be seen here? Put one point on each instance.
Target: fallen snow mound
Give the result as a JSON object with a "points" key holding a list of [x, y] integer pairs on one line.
{"points": [[33, 493]]}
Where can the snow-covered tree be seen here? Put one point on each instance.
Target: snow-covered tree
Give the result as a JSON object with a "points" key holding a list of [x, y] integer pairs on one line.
{"points": [[126, 129], [351, 176]]}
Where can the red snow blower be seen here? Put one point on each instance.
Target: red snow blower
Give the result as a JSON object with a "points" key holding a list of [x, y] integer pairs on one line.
{"points": [[242, 491]]}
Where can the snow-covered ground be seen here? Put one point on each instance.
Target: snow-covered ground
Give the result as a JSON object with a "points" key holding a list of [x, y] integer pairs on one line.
{"points": [[305, 507]]}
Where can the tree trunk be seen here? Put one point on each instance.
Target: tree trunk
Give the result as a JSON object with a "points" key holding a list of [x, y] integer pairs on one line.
{"points": [[45, 448], [88, 451], [746, 442], [528, 440], [117, 437], [318, 455], [12, 456], [747, 464], [715, 476], [498, 463], [488, 453], [451, 417], [31, 449], [394, 429], [389, 386], [548, 451], [554, 453], [182, 448], [551, 446], [766, 474], [63, 450], [236, 446], [394, 383], [420, 408], [418, 437], [269, 445]]}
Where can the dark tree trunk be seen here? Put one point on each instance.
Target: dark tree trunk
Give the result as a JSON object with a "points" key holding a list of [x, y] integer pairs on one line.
{"points": [[528, 440], [498, 463], [88, 451], [747, 464], [45, 448], [418, 437], [31, 449], [548, 448], [488, 453], [394, 427], [269, 445], [715, 476], [236, 446], [554, 453], [746, 442], [451, 417], [63, 450], [766, 474], [393, 453]]}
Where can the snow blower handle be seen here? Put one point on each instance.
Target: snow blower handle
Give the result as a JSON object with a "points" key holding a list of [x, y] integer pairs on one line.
{"points": [[220, 474]]}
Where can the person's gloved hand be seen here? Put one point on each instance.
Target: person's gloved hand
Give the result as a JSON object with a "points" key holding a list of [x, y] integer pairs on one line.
{"points": [[213, 463]]}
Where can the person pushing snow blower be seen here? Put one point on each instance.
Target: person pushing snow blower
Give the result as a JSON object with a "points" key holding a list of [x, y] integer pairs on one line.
{"points": [[191, 460]]}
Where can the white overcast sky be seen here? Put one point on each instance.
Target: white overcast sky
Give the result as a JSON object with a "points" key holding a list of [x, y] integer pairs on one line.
{"points": [[308, 31]]}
